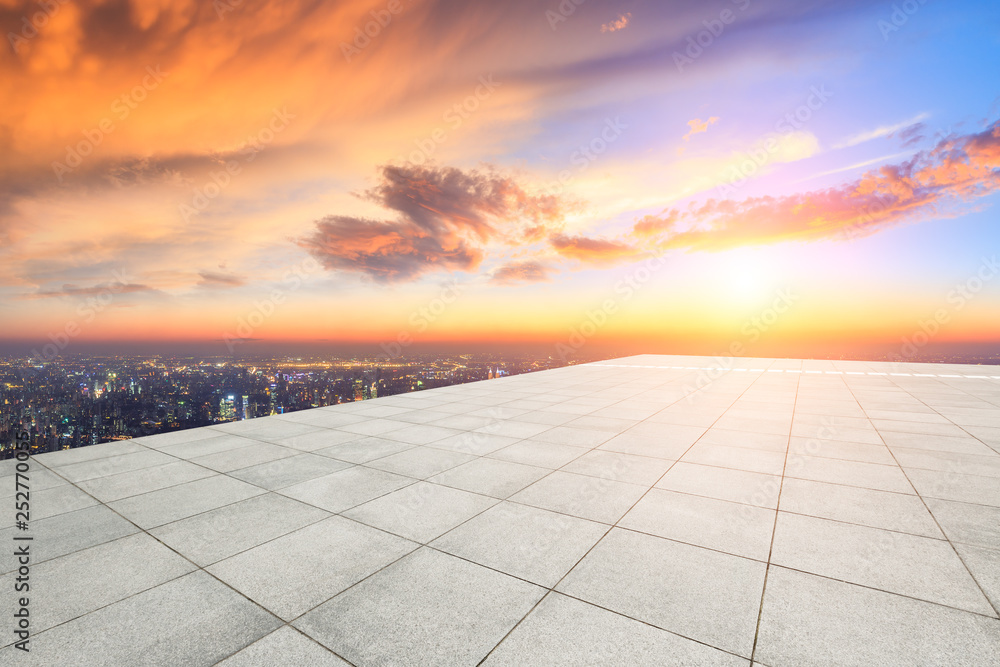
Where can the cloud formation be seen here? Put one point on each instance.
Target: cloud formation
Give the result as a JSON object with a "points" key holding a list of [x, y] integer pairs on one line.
{"points": [[446, 219], [618, 24], [214, 279], [957, 170], [697, 126], [530, 271], [592, 250]]}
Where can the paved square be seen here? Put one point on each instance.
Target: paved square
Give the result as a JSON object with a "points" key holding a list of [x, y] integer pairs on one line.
{"points": [[652, 510]]}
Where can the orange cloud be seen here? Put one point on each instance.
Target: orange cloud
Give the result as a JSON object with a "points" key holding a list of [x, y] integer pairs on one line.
{"points": [[592, 250], [698, 126], [446, 218], [521, 272], [618, 24], [958, 169]]}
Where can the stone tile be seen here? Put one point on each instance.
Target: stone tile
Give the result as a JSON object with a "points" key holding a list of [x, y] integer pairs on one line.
{"points": [[65, 533], [943, 428], [766, 441], [671, 445], [123, 485], [285, 647], [420, 512], [211, 536], [516, 429], [615, 424], [422, 434], [565, 632], [742, 530], [704, 595], [421, 462], [984, 564], [428, 609], [491, 477], [287, 471], [204, 447], [267, 428], [38, 479], [193, 620], [845, 451], [526, 542], [576, 437], [877, 509], [738, 486], [582, 496], [70, 457], [918, 567], [967, 464], [546, 417], [474, 442], [161, 440], [244, 457], [462, 422], [178, 502], [296, 572], [49, 502], [374, 426], [956, 486], [850, 473], [541, 454], [966, 522], [313, 440], [363, 450], [344, 489], [80, 582], [813, 621], [113, 465], [619, 467], [835, 431], [740, 458], [937, 443]]}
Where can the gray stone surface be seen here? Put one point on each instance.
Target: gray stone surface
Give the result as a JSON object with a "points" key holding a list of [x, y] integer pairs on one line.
{"points": [[194, 620], [211, 536], [565, 632], [294, 573], [345, 489], [705, 595], [917, 567], [642, 489], [428, 609], [66, 533], [736, 528], [810, 621], [89, 579], [178, 502], [285, 647], [421, 511], [526, 542]]}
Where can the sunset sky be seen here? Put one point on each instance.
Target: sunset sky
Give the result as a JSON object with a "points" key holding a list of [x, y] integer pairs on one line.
{"points": [[792, 176]]}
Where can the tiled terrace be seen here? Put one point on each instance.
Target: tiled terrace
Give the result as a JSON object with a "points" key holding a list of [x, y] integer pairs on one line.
{"points": [[647, 511]]}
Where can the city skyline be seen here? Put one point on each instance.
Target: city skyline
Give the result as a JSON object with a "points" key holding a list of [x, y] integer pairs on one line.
{"points": [[610, 178]]}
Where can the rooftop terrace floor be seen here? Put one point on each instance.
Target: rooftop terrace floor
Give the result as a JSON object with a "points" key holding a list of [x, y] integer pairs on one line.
{"points": [[651, 510]]}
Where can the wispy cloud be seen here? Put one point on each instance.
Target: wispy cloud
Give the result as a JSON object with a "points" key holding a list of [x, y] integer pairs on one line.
{"points": [[698, 126], [957, 170], [618, 24], [530, 271], [881, 131]]}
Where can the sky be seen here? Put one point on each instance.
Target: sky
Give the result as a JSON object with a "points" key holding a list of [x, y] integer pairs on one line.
{"points": [[752, 177]]}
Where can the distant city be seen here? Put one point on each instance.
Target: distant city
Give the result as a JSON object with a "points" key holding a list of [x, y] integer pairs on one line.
{"points": [[81, 400], [77, 401]]}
